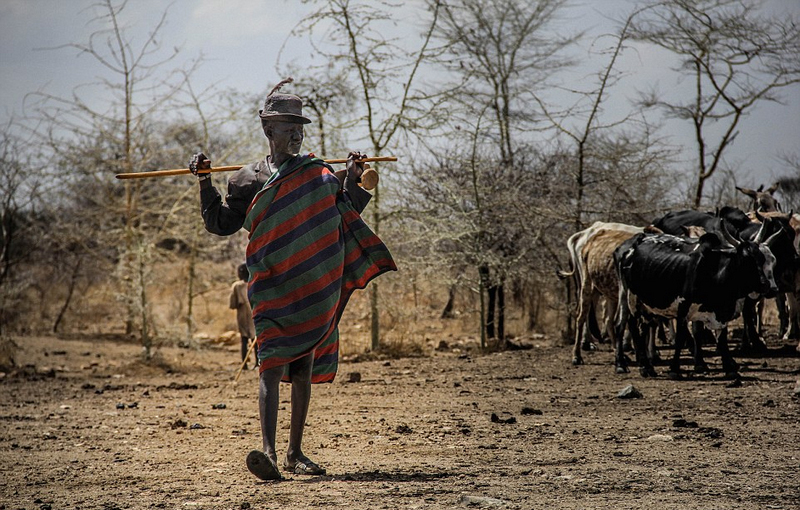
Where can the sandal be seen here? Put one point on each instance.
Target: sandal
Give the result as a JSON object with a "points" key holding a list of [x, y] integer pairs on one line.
{"points": [[262, 466], [304, 468]]}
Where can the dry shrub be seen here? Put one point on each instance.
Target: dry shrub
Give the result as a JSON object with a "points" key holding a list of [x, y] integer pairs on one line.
{"points": [[410, 312], [8, 350]]}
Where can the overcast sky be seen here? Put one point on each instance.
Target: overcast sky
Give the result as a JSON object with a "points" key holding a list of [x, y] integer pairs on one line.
{"points": [[240, 40]]}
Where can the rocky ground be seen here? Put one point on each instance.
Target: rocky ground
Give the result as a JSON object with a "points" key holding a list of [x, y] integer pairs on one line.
{"points": [[85, 425]]}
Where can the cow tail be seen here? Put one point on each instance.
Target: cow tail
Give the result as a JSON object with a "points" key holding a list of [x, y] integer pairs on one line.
{"points": [[571, 248]]}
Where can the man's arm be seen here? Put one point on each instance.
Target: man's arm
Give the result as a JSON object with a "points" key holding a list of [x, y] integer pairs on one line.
{"points": [[358, 196], [221, 218], [234, 301], [225, 218]]}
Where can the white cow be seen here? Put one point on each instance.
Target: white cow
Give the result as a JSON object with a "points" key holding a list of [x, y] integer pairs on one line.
{"points": [[591, 254]]}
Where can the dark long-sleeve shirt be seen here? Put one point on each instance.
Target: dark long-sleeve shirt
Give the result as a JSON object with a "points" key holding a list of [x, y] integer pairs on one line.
{"points": [[226, 218]]}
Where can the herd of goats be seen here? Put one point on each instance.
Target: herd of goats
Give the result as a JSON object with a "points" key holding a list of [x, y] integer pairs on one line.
{"points": [[688, 268]]}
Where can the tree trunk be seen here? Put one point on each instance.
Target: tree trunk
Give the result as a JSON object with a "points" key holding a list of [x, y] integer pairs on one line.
{"points": [[73, 281], [501, 312], [447, 313]]}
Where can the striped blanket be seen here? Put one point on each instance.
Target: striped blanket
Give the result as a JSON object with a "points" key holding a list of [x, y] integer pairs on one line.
{"points": [[308, 251]]}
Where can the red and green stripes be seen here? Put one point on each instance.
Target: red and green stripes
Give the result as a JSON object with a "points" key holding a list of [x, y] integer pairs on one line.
{"points": [[308, 251]]}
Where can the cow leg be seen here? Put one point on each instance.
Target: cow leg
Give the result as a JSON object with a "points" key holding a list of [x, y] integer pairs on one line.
{"points": [[700, 334], [663, 326], [751, 342], [653, 331], [641, 340], [793, 304], [783, 314], [584, 306], [608, 321], [620, 358], [580, 326], [729, 365], [681, 334], [624, 318], [627, 341]]}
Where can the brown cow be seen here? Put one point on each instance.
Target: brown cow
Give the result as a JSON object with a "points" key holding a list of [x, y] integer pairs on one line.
{"points": [[592, 265], [788, 302], [763, 201]]}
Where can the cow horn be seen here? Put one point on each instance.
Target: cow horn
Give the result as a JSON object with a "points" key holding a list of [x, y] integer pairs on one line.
{"points": [[759, 217], [761, 232], [772, 238], [750, 193], [728, 236]]}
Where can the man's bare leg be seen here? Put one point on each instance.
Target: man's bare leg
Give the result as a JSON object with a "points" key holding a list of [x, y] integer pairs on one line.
{"points": [[296, 461], [265, 464], [268, 400]]}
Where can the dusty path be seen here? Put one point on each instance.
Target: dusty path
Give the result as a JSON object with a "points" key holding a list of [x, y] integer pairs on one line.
{"points": [[88, 428]]}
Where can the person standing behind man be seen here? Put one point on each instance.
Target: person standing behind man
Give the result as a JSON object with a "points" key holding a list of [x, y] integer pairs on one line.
{"points": [[244, 314], [307, 252]]}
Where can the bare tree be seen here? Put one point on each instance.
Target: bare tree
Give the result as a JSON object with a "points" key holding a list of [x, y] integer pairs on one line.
{"points": [[496, 53], [93, 140], [383, 73], [20, 202], [499, 53], [736, 58]]}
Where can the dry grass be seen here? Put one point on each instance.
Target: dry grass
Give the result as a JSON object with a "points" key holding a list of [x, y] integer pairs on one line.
{"points": [[410, 314]]}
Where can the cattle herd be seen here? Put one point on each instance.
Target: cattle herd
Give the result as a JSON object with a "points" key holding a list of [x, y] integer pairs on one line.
{"points": [[689, 273]]}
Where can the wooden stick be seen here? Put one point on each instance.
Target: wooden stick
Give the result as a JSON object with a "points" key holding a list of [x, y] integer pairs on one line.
{"points": [[183, 171], [246, 358]]}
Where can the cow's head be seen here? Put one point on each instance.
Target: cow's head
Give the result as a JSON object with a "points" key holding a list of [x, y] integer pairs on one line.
{"points": [[755, 263], [763, 201]]}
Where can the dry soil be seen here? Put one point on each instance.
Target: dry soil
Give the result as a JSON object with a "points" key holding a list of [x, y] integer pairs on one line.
{"points": [[85, 425]]}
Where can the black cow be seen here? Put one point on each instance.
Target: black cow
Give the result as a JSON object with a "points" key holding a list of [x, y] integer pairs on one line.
{"points": [[704, 280], [674, 222], [777, 228]]}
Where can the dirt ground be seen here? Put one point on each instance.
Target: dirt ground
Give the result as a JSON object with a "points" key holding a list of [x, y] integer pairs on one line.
{"points": [[85, 425]]}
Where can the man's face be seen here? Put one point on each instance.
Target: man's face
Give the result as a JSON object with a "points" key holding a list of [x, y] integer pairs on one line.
{"points": [[287, 136]]}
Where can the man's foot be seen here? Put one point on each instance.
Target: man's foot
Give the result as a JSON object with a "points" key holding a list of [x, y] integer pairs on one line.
{"points": [[303, 467], [262, 466]]}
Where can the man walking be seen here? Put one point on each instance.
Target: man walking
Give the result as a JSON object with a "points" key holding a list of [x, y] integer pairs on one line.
{"points": [[308, 251]]}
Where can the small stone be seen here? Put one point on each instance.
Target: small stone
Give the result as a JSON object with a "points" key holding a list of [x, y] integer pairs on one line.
{"points": [[178, 424], [497, 419], [120, 406], [354, 377], [629, 391], [712, 432], [663, 438], [196, 426], [528, 411], [218, 406], [480, 501]]}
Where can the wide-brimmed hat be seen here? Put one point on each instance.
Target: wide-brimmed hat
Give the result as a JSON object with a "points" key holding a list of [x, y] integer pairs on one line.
{"points": [[284, 108]]}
